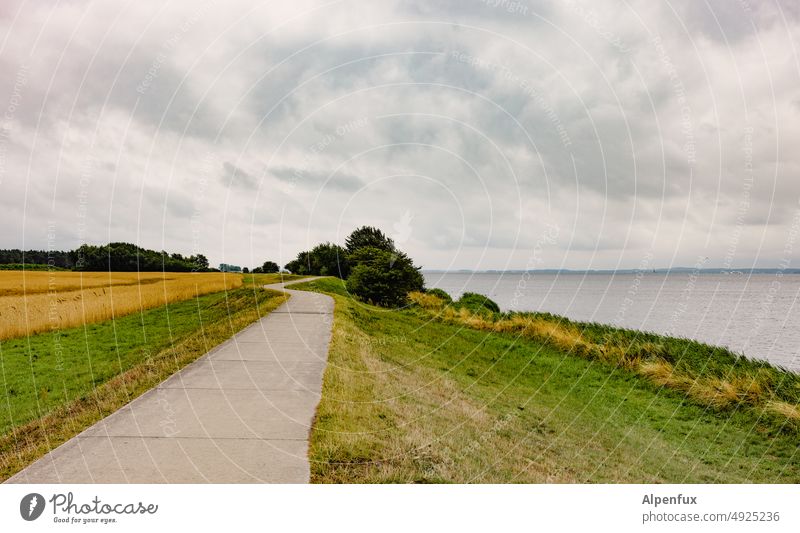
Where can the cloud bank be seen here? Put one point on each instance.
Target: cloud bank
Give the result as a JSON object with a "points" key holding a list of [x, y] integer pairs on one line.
{"points": [[656, 133]]}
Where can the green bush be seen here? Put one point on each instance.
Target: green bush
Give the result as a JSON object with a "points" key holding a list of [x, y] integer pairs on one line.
{"points": [[477, 303], [383, 277], [270, 267], [439, 293]]}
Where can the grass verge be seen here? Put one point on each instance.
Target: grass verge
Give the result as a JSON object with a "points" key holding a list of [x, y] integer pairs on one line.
{"points": [[410, 398], [57, 384], [711, 376], [259, 280]]}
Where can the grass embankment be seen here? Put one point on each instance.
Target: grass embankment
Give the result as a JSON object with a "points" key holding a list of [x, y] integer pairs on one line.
{"points": [[35, 302], [709, 375], [55, 385], [409, 397]]}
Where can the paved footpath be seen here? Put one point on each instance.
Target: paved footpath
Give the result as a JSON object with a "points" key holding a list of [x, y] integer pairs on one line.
{"points": [[239, 414]]}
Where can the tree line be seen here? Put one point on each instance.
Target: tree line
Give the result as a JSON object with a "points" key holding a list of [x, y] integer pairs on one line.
{"points": [[56, 259], [372, 266], [112, 257]]}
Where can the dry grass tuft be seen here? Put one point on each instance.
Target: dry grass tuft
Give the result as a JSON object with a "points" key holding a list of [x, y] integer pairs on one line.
{"points": [[660, 372], [559, 335], [785, 409], [426, 301], [707, 390], [714, 391]]}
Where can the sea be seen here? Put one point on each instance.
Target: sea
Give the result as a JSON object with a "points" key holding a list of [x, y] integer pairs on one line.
{"points": [[755, 314]]}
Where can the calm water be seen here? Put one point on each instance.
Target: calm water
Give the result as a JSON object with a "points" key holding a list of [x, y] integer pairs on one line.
{"points": [[755, 314]]}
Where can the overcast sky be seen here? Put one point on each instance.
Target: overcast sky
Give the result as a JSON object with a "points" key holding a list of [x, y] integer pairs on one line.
{"points": [[479, 134]]}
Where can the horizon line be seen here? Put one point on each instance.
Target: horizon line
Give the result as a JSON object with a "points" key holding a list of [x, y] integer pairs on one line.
{"points": [[662, 270]]}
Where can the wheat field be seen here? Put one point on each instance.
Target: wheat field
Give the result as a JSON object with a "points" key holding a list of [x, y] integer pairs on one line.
{"points": [[35, 302]]}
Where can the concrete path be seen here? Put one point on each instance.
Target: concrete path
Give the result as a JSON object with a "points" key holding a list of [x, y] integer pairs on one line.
{"points": [[239, 414]]}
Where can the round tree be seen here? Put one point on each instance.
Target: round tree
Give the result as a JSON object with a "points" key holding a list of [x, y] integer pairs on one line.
{"points": [[368, 237], [270, 267]]}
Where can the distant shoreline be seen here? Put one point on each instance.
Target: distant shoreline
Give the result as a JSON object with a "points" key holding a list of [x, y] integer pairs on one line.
{"points": [[677, 270]]}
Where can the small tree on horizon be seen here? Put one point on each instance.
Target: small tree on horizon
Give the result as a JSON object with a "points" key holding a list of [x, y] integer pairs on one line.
{"points": [[270, 267], [300, 265], [200, 260]]}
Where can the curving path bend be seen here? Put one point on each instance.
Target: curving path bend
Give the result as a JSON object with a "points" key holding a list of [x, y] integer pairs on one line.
{"points": [[239, 414]]}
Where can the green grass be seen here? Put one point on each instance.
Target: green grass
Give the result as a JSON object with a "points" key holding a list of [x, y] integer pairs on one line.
{"points": [[56, 384], [711, 376], [409, 398], [259, 280]]}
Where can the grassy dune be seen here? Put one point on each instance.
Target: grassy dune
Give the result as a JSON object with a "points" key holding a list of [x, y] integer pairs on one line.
{"points": [[36, 302], [710, 376], [409, 396], [56, 384]]}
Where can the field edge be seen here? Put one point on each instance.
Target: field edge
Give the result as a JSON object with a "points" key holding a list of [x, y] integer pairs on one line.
{"points": [[26, 443]]}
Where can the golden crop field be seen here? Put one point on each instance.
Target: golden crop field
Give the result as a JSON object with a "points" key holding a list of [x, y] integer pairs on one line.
{"points": [[37, 301]]}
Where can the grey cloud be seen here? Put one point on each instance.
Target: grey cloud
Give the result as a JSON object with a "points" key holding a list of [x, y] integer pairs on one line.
{"points": [[234, 176], [316, 179], [731, 22], [496, 10], [584, 133]]}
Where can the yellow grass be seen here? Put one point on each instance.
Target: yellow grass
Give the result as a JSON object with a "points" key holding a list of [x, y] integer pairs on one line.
{"points": [[792, 412], [34, 302], [425, 300]]}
